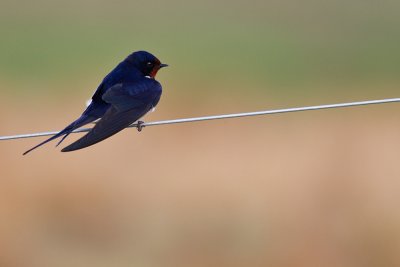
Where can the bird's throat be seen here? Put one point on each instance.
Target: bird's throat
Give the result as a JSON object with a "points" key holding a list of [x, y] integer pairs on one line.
{"points": [[153, 73]]}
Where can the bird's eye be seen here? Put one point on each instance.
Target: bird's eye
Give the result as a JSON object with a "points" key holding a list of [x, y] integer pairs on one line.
{"points": [[149, 63]]}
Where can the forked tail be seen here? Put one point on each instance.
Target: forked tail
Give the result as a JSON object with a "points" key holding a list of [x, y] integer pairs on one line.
{"points": [[83, 120]]}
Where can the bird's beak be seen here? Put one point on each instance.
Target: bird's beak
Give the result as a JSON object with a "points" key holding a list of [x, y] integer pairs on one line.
{"points": [[163, 65]]}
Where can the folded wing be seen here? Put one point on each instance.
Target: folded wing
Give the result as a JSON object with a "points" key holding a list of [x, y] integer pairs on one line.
{"points": [[129, 103]]}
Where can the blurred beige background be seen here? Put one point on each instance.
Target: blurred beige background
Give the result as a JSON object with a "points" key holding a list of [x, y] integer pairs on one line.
{"points": [[304, 189]]}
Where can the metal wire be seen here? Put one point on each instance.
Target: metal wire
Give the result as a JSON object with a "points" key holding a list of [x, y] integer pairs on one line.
{"points": [[225, 116]]}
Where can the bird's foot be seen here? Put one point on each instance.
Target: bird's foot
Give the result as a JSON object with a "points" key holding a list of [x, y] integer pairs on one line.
{"points": [[140, 125]]}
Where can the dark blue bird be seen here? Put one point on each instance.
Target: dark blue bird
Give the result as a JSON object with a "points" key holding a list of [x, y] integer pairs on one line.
{"points": [[125, 95]]}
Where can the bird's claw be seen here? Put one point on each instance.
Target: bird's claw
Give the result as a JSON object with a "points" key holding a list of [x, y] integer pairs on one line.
{"points": [[140, 126]]}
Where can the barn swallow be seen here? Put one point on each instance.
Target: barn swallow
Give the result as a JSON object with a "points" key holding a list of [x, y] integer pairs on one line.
{"points": [[125, 95]]}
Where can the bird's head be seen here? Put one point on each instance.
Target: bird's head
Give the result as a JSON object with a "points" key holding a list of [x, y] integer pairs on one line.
{"points": [[146, 63]]}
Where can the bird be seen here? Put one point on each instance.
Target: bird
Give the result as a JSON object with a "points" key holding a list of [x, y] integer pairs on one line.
{"points": [[124, 96]]}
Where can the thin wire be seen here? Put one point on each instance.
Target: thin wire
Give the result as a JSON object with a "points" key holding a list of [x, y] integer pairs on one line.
{"points": [[224, 116]]}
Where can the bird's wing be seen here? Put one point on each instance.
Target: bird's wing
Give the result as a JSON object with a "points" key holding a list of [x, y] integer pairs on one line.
{"points": [[129, 102]]}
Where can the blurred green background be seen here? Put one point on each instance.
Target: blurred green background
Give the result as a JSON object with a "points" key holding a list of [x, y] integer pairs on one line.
{"points": [[264, 43], [309, 189]]}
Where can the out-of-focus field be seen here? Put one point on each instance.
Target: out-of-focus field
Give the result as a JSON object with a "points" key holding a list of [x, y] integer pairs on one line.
{"points": [[316, 188], [312, 189]]}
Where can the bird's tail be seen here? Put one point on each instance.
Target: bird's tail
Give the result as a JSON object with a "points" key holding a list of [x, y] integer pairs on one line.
{"points": [[83, 120]]}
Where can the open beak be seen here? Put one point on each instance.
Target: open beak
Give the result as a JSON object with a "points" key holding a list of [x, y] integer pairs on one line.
{"points": [[163, 65]]}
